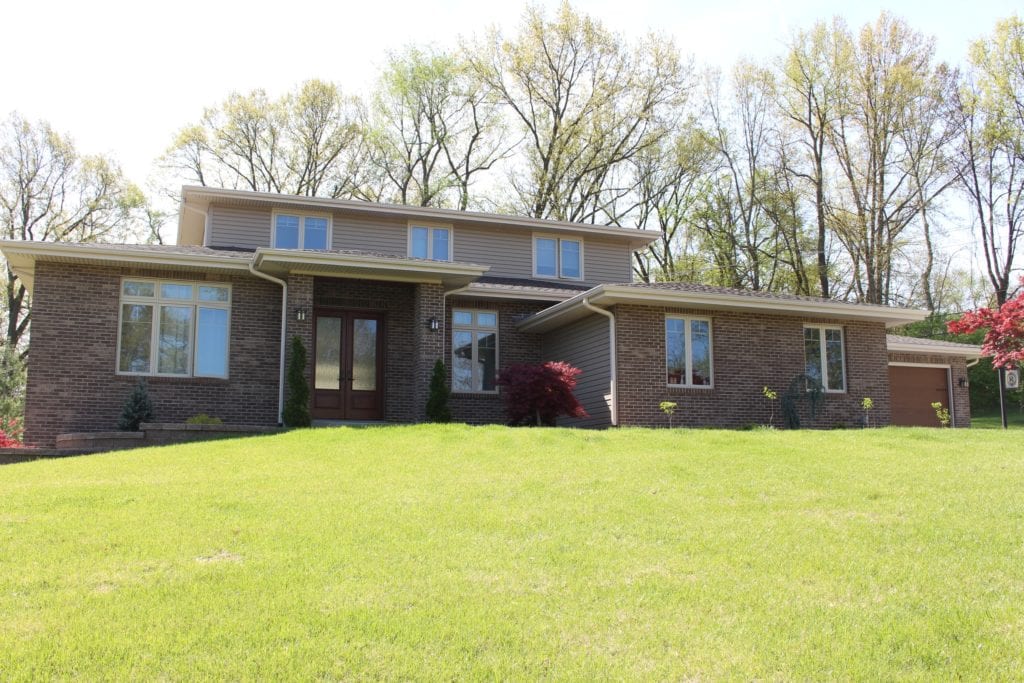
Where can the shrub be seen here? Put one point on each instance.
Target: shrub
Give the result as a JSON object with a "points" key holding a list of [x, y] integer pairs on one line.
{"points": [[12, 383], [941, 413], [669, 408], [539, 394], [10, 433], [203, 419], [437, 402], [296, 408], [137, 409]]}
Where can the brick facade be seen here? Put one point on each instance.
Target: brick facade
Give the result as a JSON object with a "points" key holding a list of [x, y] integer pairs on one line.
{"points": [[749, 351], [72, 381], [961, 398]]}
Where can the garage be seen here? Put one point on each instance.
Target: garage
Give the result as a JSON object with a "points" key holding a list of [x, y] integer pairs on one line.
{"points": [[913, 389]]}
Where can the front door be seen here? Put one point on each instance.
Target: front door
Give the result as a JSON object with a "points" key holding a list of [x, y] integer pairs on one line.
{"points": [[348, 365]]}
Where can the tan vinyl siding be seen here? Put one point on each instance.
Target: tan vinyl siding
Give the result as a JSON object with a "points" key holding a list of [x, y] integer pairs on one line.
{"points": [[584, 344], [378, 234], [235, 227], [508, 251]]}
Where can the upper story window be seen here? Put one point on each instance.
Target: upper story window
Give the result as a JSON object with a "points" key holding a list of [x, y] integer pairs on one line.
{"points": [[301, 231], [825, 359], [557, 257], [430, 242], [174, 328], [688, 351]]}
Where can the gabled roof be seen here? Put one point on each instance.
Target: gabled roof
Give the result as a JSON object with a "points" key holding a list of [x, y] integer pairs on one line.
{"points": [[491, 287], [195, 200], [901, 344], [684, 295]]}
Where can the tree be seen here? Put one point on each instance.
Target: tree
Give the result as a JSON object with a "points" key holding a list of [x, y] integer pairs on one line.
{"points": [[137, 408], [296, 408], [988, 113], [50, 192], [437, 400], [433, 129], [12, 383], [1004, 330], [307, 142], [585, 104], [537, 394]]}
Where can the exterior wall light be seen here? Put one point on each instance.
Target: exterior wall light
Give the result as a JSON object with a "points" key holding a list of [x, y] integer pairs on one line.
{"points": [[433, 324], [300, 314]]}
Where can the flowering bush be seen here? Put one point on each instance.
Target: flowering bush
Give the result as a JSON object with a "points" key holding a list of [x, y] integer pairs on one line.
{"points": [[539, 394], [10, 433]]}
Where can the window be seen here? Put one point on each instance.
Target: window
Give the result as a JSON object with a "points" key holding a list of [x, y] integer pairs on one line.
{"points": [[292, 231], [430, 243], [557, 258], [825, 360], [474, 350], [688, 351], [174, 328]]}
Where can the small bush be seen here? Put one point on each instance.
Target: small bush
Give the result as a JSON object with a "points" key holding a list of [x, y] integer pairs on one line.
{"points": [[437, 401], [10, 433], [539, 394], [296, 409], [941, 414], [203, 419], [137, 409]]}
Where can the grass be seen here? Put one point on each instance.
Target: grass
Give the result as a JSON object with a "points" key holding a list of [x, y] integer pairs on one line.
{"points": [[992, 420], [456, 552]]}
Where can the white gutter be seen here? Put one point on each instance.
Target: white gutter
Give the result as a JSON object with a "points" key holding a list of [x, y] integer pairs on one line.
{"points": [[973, 363], [611, 354], [284, 337]]}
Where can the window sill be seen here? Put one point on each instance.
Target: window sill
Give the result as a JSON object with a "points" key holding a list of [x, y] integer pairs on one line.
{"points": [[689, 388], [160, 379], [477, 394]]}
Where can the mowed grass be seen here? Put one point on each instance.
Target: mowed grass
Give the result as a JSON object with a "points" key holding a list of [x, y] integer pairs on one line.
{"points": [[455, 552]]}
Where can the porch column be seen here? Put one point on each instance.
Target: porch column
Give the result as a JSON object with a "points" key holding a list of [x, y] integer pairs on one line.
{"points": [[429, 344], [300, 296]]}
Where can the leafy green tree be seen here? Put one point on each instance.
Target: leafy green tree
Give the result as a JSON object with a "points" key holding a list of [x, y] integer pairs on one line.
{"points": [[137, 408], [12, 383], [437, 400]]}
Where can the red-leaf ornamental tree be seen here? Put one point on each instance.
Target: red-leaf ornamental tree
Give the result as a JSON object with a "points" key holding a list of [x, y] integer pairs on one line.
{"points": [[539, 394], [1004, 336]]}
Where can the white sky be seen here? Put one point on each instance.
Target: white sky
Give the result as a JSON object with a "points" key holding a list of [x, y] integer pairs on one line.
{"points": [[122, 77]]}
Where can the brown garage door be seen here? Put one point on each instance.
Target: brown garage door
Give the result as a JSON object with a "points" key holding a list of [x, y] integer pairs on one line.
{"points": [[913, 390]]}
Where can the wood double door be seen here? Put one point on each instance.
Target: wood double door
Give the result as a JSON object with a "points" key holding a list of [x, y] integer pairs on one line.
{"points": [[348, 365]]}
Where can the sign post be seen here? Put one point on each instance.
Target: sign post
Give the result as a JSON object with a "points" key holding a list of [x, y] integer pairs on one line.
{"points": [[1008, 379]]}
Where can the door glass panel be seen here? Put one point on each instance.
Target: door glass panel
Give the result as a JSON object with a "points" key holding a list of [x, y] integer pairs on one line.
{"points": [[364, 354], [328, 353]]}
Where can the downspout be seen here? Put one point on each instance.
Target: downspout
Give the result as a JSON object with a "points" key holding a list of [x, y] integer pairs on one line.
{"points": [[284, 336], [973, 363], [444, 317], [611, 354]]}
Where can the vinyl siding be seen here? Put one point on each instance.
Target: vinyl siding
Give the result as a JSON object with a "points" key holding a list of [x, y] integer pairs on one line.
{"points": [[243, 228], [508, 252], [584, 344]]}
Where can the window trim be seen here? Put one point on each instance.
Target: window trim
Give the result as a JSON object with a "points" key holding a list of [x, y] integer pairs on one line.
{"points": [[156, 301], [821, 328], [474, 328], [558, 257], [431, 227], [302, 215], [688, 330]]}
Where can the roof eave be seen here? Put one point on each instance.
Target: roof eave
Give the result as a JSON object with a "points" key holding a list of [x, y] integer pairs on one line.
{"points": [[936, 349], [608, 295]]}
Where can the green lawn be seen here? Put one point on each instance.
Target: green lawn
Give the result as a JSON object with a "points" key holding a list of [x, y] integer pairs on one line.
{"points": [[457, 552], [992, 420]]}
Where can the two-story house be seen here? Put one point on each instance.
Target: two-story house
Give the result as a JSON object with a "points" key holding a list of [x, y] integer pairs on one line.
{"points": [[378, 293]]}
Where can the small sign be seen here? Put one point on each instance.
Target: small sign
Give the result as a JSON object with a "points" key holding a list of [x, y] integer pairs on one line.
{"points": [[1012, 379]]}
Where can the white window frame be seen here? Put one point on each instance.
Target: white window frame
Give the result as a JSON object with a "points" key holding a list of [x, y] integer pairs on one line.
{"points": [[475, 363], [688, 333], [559, 275], [302, 216], [824, 354], [431, 227], [156, 301]]}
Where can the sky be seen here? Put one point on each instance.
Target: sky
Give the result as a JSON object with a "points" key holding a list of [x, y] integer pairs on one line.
{"points": [[122, 77]]}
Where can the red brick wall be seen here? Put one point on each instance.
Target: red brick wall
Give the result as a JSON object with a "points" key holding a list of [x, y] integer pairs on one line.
{"points": [[72, 383], [958, 366], [749, 351], [513, 347]]}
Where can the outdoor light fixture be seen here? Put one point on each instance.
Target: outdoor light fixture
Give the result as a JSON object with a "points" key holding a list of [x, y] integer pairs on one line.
{"points": [[433, 325], [300, 314], [962, 382]]}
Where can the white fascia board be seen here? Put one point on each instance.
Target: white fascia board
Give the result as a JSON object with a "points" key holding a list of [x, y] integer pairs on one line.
{"points": [[608, 295], [967, 351], [643, 237], [489, 293], [119, 255], [309, 260]]}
